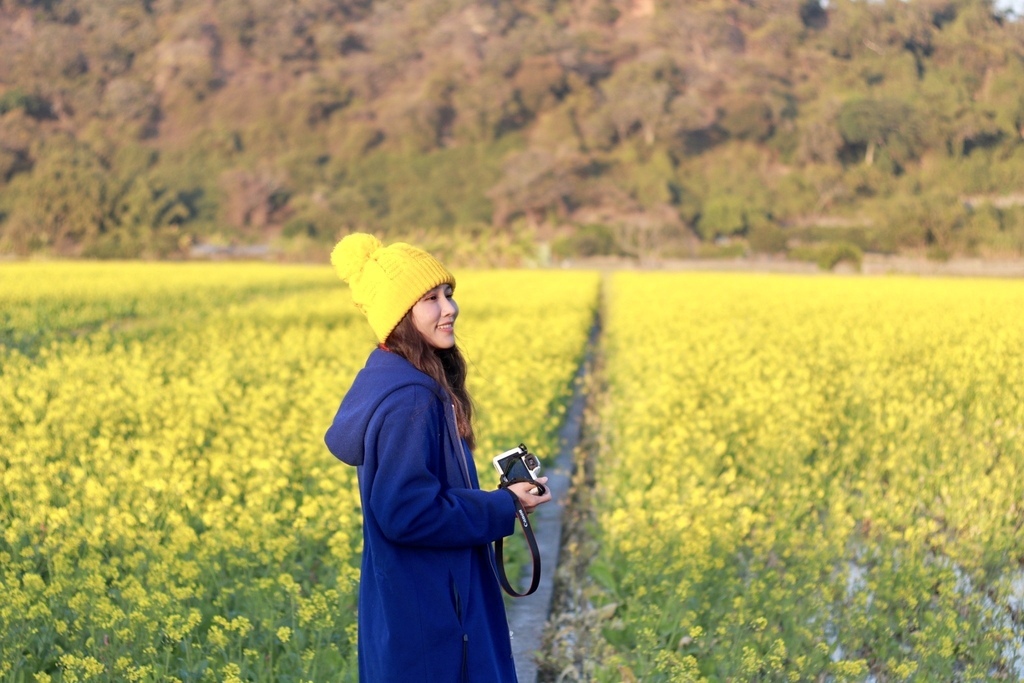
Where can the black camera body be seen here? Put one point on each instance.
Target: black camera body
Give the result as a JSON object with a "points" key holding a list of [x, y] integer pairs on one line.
{"points": [[518, 464]]}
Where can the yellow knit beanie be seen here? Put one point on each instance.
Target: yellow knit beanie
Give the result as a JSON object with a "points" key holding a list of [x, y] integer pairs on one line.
{"points": [[386, 281]]}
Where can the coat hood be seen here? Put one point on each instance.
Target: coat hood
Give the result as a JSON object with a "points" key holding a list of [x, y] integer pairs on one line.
{"points": [[383, 374]]}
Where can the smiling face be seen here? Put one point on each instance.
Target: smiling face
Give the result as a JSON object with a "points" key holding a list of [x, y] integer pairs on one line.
{"points": [[434, 316]]}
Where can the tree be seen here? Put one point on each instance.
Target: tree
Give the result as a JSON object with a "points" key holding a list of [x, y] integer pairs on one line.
{"points": [[18, 130], [60, 205], [253, 197], [636, 97], [748, 117], [369, 114], [535, 183], [723, 215], [1006, 97], [868, 125], [144, 219]]}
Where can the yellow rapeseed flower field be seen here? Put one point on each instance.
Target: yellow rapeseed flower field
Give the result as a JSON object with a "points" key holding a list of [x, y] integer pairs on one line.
{"points": [[168, 511], [812, 479]]}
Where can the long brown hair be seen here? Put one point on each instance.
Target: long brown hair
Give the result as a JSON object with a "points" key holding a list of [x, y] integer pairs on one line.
{"points": [[447, 367]]}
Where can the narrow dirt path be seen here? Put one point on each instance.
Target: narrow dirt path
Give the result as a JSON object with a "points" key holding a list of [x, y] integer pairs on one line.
{"points": [[527, 616], [573, 640]]}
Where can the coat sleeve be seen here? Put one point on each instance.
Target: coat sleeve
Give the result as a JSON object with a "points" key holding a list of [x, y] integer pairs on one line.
{"points": [[408, 499]]}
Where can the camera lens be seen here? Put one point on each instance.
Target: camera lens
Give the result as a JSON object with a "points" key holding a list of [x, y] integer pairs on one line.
{"points": [[531, 462]]}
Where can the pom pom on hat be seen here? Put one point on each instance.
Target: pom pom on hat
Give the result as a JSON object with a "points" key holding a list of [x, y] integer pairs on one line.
{"points": [[386, 281], [352, 252]]}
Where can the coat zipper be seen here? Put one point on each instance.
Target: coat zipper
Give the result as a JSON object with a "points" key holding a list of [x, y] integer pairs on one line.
{"points": [[464, 677], [462, 451]]}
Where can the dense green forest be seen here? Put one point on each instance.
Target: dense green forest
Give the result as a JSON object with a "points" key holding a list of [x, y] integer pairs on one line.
{"points": [[649, 128]]}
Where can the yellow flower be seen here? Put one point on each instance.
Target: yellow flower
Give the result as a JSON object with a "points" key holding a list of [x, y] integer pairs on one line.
{"points": [[165, 447]]}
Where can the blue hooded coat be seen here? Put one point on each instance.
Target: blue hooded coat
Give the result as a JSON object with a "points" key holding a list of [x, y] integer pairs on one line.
{"points": [[430, 608]]}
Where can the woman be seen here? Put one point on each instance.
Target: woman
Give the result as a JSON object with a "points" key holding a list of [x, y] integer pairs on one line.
{"points": [[430, 608]]}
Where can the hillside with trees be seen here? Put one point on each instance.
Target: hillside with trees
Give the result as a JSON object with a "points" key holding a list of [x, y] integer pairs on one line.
{"points": [[649, 128]]}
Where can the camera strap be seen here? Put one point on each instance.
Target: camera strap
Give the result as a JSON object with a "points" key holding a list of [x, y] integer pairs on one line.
{"points": [[524, 522]]}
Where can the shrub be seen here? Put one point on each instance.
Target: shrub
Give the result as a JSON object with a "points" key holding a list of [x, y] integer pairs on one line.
{"points": [[587, 240], [828, 255], [299, 227], [766, 237], [724, 250]]}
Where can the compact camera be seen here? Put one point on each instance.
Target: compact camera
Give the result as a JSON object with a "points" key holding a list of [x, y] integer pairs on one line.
{"points": [[519, 464]]}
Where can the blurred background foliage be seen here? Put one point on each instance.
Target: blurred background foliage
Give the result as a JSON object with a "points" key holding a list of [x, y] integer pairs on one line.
{"points": [[486, 128]]}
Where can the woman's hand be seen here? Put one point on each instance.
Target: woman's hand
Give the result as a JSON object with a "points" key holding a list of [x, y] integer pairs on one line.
{"points": [[528, 500]]}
